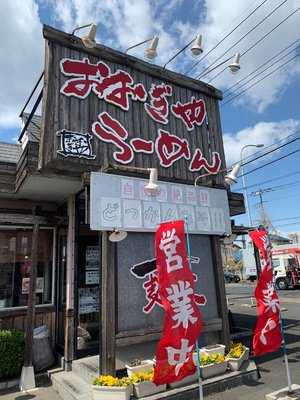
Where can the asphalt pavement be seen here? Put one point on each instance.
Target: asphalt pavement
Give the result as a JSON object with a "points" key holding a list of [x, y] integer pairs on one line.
{"points": [[271, 366]]}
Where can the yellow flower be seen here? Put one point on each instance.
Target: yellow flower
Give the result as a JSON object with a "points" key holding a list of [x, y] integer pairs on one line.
{"points": [[142, 376], [206, 359], [236, 350], [108, 380]]}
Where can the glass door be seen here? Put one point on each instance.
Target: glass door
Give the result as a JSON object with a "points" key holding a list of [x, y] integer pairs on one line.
{"points": [[88, 264], [61, 290]]}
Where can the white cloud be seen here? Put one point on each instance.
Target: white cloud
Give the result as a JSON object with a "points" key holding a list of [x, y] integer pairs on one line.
{"points": [[22, 57], [122, 23], [218, 13], [262, 133]]}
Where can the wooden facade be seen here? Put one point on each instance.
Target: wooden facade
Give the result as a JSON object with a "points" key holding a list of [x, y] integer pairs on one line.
{"points": [[42, 160], [78, 115]]}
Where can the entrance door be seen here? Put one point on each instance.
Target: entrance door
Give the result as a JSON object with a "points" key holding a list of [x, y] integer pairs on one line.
{"points": [[61, 291], [88, 264]]}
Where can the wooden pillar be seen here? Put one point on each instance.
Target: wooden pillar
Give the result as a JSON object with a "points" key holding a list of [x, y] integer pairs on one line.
{"points": [[69, 315], [107, 337], [220, 289]]}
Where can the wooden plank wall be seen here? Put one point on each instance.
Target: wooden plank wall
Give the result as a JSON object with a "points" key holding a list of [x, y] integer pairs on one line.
{"points": [[62, 112], [27, 163], [7, 177], [16, 319]]}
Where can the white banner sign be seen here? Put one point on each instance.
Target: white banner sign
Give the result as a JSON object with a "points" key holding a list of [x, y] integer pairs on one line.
{"points": [[123, 203]]}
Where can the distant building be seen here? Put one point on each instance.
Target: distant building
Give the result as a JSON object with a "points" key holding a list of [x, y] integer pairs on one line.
{"points": [[294, 237], [277, 240]]}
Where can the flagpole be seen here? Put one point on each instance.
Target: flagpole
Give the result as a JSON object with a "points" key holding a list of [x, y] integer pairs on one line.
{"points": [[288, 372], [285, 357], [200, 386]]}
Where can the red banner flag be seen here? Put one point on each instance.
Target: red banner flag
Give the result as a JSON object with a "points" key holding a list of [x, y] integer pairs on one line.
{"points": [[182, 325], [267, 334]]}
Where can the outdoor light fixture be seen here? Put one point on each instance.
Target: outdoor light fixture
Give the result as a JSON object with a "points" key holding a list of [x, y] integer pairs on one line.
{"points": [[151, 51], [88, 40], [196, 48], [152, 185], [235, 65], [231, 178], [117, 236]]}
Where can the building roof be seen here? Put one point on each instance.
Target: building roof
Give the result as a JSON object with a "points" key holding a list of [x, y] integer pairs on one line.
{"points": [[10, 152], [278, 238], [34, 128]]}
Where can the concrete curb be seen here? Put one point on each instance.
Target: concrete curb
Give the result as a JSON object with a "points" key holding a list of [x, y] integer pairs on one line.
{"points": [[248, 374]]}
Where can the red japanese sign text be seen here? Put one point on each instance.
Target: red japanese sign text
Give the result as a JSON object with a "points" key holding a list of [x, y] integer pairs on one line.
{"points": [[267, 334], [182, 325]]}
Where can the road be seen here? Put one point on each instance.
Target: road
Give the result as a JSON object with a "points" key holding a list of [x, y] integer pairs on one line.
{"points": [[271, 366]]}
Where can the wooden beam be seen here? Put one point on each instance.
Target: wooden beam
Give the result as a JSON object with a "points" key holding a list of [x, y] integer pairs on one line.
{"points": [[69, 318], [107, 350], [30, 317], [220, 289]]}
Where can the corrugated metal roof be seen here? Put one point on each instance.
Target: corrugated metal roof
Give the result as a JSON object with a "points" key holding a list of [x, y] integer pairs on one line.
{"points": [[10, 152]]}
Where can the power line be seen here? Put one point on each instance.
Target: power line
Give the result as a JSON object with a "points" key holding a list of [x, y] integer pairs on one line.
{"points": [[285, 219], [270, 180], [272, 151], [226, 36], [243, 37], [260, 80], [272, 162], [292, 223], [283, 197], [257, 42], [271, 145], [274, 188], [261, 72], [261, 66]]}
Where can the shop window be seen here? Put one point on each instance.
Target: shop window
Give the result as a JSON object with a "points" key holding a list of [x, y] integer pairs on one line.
{"points": [[15, 264]]}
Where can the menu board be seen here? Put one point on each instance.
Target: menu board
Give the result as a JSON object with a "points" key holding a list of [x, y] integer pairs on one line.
{"points": [[88, 300], [123, 203]]}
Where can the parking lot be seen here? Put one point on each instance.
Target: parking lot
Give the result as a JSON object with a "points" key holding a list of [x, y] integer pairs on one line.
{"points": [[241, 303]]}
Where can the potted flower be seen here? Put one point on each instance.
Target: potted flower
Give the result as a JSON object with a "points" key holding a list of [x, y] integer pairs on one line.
{"points": [[137, 366], [107, 387], [212, 365], [143, 385], [237, 355]]}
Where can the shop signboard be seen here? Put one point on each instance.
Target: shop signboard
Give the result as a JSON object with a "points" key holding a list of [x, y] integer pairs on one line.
{"points": [[123, 203], [105, 107], [137, 276]]}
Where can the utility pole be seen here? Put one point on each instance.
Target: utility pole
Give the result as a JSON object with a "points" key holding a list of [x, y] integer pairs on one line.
{"points": [[265, 220]]}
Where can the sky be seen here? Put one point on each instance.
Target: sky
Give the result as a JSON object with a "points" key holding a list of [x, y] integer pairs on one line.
{"points": [[266, 113]]}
